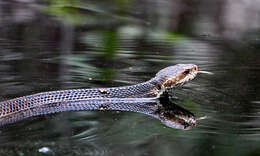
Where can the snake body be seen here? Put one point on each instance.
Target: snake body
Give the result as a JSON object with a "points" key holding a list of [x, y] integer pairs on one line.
{"points": [[116, 98]]}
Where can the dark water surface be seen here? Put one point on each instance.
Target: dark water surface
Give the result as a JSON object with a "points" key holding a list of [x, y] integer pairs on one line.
{"points": [[47, 46]]}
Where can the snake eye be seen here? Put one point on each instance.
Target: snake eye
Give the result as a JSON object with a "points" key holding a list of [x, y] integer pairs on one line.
{"points": [[186, 72]]}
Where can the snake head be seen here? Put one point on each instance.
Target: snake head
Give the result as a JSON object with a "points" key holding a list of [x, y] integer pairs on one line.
{"points": [[176, 75]]}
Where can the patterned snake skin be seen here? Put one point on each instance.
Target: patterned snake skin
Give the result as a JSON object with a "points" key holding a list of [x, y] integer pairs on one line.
{"points": [[95, 99]]}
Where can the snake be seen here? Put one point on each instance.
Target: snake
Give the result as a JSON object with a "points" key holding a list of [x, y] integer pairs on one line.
{"points": [[142, 97]]}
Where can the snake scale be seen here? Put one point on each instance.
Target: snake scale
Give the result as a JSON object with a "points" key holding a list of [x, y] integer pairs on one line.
{"points": [[127, 98]]}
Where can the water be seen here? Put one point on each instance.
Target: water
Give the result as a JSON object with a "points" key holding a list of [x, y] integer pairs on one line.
{"points": [[51, 47]]}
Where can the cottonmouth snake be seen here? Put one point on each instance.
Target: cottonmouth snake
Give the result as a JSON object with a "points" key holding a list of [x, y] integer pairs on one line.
{"points": [[141, 97]]}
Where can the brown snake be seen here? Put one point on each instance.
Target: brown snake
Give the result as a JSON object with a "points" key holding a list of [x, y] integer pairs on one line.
{"points": [[127, 98]]}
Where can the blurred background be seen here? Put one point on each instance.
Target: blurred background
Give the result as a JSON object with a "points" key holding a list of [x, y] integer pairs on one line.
{"points": [[50, 45]]}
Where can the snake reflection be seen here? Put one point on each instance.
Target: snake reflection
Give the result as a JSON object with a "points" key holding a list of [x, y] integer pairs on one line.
{"points": [[143, 98]]}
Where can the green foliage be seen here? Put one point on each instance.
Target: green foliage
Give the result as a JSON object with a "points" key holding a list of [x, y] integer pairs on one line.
{"points": [[110, 42], [66, 10]]}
